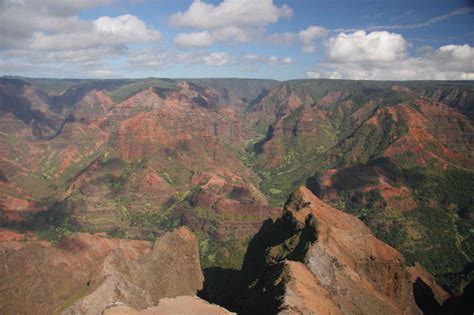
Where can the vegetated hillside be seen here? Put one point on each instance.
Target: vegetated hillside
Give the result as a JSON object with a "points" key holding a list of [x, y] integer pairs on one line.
{"points": [[399, 160], [136, 158]]}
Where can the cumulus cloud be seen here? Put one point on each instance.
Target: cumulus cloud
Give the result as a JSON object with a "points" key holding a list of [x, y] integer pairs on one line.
{"points": [[105, 30], [230, 12], [20, 20], [231, 20], [51, 32], [207, 38], [360, 46], [459, 53], [384, 56], [194, 39], [309, 36], [125, 28]]}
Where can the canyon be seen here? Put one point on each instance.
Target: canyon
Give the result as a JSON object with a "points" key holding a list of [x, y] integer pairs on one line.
{"points": [[93, 172]]}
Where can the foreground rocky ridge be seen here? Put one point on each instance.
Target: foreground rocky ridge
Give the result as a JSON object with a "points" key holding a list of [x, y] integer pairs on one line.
{"points": [[83, 273]]}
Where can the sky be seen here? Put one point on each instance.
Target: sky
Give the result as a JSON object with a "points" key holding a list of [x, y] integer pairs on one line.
{"points": [[275, 39]]}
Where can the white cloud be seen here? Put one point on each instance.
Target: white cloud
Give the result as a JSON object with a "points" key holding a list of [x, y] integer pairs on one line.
{"points": [[309, 36], [105, 30], [194, 39], [384, 56], [231, 20], [274, 60], [51, 35], [287, 61], [360, 46], [217, 59], [125, 28], [64, 63], [147, 58], [207, 38], [233, 33], [230, 12], [19, 20], [459, 53], [271, 60]]}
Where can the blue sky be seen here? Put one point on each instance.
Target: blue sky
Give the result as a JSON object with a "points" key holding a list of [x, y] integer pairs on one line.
{"points": [[277, 39]]}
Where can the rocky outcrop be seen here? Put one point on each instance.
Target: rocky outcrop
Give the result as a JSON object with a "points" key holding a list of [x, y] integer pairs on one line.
{"points": [[318, 260], [84, 273], [190, 305]]}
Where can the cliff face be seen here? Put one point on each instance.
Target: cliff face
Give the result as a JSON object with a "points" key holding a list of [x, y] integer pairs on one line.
{"points": [[84, 273], [318, 260]]}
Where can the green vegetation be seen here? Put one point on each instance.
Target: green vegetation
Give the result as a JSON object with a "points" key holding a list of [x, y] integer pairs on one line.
{"points": [[439, 233], [226, 253], [48, 169], [446, 204]]}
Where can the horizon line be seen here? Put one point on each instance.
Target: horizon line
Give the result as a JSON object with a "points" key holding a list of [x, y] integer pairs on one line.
{"points": [[225, 78]]}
